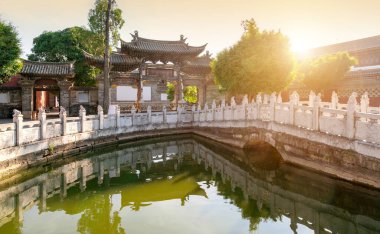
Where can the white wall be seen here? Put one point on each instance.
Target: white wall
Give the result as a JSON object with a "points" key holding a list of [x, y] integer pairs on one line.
{"points": [[129, 93]]}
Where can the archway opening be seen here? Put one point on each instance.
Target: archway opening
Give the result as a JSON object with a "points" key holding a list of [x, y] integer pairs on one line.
{"points": [[262, 155]]}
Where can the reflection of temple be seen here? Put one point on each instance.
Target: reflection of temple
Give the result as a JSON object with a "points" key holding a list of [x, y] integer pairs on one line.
{"points": [[314, 201]]}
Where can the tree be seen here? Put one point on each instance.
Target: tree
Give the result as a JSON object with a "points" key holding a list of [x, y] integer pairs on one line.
{"points": [[323, 72], [10, 51], [68, 45], [261, 61], [97, 18], [170, 91], [190, 94]]}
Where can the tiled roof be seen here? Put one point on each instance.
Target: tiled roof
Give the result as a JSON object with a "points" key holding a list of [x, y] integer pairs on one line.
{"points": [[119, 62], [199, 65], [32, 68], [349, 46], [155, 49]]}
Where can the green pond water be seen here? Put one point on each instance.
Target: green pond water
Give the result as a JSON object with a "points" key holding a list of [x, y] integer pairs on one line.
{"points": [[183, 184]]}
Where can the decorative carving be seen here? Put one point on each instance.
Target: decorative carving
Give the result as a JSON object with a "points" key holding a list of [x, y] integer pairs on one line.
{"points": [[16, 112], [259, 98], [100, 109], [245, 100], [213, 105]]}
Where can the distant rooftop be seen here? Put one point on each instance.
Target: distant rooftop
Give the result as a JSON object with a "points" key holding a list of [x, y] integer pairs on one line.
{"points": [[32, 68], [349, 46]]}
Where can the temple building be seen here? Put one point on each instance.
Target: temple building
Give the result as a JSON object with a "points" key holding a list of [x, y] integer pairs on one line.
{"points": [[364, 77], [139, 73]]}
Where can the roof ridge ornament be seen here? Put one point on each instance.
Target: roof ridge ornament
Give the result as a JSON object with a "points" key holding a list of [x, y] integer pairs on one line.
{"points": [[182, 38]]}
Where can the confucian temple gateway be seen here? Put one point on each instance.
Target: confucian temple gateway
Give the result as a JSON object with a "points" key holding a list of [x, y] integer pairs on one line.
{"points": [[140, 71]]}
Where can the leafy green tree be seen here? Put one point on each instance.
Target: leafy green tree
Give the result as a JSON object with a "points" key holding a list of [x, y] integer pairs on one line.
{"points": [[170, 91], [68, 45], [323, 72], [190, 94], [97, 18], [261, 61], [10, 51]]}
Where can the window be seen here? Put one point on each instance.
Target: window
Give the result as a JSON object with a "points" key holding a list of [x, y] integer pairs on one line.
{"points": [[83, 96]]}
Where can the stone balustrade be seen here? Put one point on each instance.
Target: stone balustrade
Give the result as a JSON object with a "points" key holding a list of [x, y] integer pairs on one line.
{"points": [[352, 122]]}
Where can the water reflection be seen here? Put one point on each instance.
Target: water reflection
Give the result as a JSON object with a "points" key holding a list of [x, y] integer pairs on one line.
{"points": [[186, 185]]}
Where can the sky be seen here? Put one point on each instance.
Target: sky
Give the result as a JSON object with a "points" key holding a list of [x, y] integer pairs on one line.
{"points": [[307, 23]]}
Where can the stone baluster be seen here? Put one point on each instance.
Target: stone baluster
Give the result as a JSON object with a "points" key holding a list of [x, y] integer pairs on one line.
{"points": [[351, 109], [199, 109], [213, 108], [101, 117], [43, 124], [193, 113], [205, 109], [364, 104], [164, 117], [18, 120], [233, 107], [293, 101], [272, 106], [133, 112], [316, 106], [311, 98], [279, 98], [179, 114], [118, 122], [82, 115], [223, 107], [63, 117], [149, 113], [334, 100], [258, 106]]}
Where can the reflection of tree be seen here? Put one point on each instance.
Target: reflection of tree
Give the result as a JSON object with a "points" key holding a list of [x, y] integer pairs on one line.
{"points": [[98, 219], [12, 227]]}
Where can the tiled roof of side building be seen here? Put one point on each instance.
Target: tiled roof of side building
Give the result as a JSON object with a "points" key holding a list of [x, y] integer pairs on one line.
{"points": [[140, 46], [349, 46], [198, 65], [119, 62], [32, 68]]}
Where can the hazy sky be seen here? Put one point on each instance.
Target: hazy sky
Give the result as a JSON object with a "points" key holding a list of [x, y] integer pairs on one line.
{"points": [[308, 23]]}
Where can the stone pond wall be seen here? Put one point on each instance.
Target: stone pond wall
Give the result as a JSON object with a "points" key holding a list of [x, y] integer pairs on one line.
{"points": [[333, 127]]}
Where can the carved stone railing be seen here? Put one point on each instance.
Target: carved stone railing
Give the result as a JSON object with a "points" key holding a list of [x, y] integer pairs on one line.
{"points": [[353, 123]]}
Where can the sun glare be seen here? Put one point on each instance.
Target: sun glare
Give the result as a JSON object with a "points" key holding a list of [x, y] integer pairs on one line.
{"points": [[300, 48]]}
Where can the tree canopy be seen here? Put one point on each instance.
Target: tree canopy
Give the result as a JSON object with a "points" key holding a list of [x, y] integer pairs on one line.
{"points": [[261, 61], [97, 18], [190, 94], [323, 72], [68, 45], [10, 51]]}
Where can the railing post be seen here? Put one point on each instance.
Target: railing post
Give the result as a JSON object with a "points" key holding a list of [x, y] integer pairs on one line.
{"points": [[63, 117], [259, 101], [179, 114], [82, 115], [149, 113], [222, 107], [42, 118], [101, 117], [316, 106], [213, 108], [293, 101], [199, 108], [118, 123], [164, 117], [18, 120], [133, 112], [272, 107], [351, 109], [192, 113]]}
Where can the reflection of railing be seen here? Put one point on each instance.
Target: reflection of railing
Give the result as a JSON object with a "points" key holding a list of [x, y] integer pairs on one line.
{"points": [[302, 206]]}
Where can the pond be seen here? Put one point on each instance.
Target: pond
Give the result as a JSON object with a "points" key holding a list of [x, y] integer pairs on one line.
{"points": [[183, 184]]}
